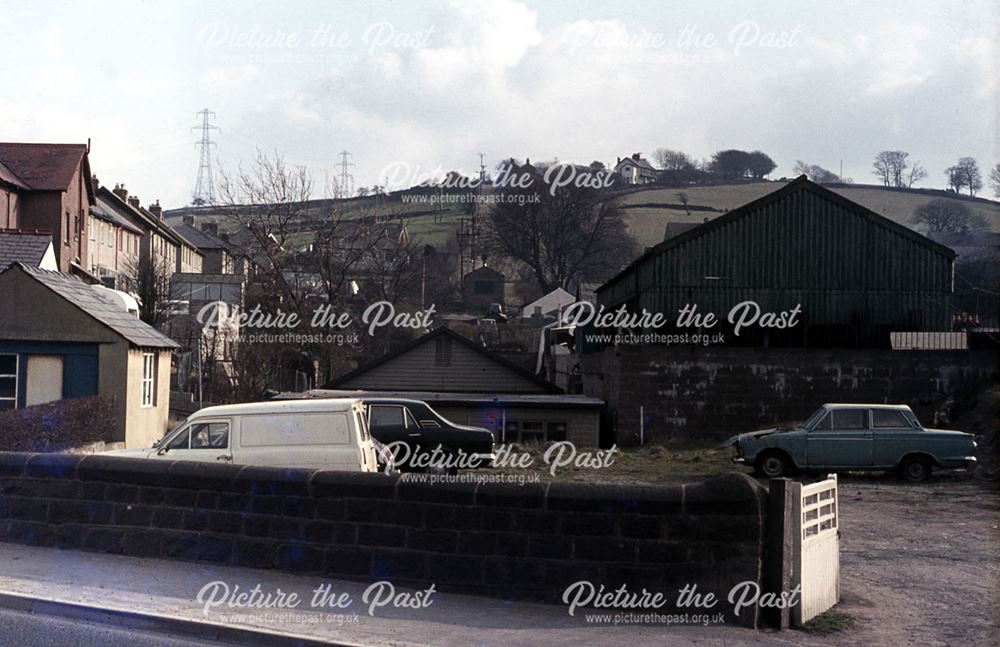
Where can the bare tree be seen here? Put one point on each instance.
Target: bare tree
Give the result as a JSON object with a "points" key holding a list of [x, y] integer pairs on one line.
{"points": [[916, 174], [559, 233], [947, 215], [149, 280], [816, 173], [268, 201], [682, 197], [965, 173], [890, 167], [995, 179], [672, 160]]}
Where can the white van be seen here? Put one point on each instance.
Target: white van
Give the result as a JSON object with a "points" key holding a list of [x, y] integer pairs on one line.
{"points": [[321, 434]]}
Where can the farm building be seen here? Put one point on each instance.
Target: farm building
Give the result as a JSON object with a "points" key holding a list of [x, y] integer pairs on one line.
{"points": [[855, 275]]}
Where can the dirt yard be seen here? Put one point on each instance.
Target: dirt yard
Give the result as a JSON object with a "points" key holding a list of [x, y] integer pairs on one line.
{"points": [[920, 563]]}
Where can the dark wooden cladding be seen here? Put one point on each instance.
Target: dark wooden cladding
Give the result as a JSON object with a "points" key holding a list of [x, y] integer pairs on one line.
{"points": [[802, 244]]}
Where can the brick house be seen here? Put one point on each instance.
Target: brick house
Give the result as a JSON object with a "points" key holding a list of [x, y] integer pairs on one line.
{"points": [[47, 187]]}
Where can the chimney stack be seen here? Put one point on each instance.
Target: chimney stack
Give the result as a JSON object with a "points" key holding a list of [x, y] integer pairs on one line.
{"points": [[156, 210], [210, 228], [133, 201], [189, 220], [121, 192], [96, 183]]}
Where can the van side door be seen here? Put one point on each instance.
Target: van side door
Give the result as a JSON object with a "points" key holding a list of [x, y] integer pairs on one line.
{"points": [[202, 440]]}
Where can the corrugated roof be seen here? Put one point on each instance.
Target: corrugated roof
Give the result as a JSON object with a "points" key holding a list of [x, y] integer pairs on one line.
{"points": [[101, 308], [20, 247], [47, 167]]}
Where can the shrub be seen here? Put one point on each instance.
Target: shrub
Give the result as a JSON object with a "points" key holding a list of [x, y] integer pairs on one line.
{"points": [[57, 426]]}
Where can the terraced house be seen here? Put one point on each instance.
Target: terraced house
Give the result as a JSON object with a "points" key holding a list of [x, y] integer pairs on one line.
{"points": [[46, 188]]}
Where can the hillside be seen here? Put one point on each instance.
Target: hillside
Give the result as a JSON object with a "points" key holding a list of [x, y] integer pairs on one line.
{"points": [[647, 211]]}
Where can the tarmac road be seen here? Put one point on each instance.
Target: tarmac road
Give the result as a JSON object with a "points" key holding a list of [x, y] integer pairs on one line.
{"points": [[21, 629]]}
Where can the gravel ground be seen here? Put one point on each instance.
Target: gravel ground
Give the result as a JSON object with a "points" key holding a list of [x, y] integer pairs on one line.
{"points": [[920, 564]]}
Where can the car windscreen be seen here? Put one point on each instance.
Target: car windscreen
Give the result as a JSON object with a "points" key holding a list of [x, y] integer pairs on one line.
{"points": [[814, 418]]}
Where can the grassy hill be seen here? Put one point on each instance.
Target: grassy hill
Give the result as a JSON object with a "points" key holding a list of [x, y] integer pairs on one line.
{"points": [[647, 211]]}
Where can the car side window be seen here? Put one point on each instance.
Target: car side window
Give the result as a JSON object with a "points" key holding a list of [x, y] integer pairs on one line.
{"points": [[429, 423], [411, 422], [850, 419], [824, 423], [210, 435], [386, 415], [888, 419]]}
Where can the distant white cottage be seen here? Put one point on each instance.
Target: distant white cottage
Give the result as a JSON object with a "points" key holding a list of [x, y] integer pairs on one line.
{"points": [[636, 169], [548, 305]]}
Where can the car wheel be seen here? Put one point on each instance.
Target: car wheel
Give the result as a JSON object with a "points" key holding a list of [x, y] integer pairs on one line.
{"points": [[772, 465], [915, 469]]}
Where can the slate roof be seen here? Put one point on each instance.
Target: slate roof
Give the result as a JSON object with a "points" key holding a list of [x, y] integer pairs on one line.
{"points": [[101, 308], [8, 176], [444, 331], [20, 247], [47, 167], [198, 238], [104, 211]]}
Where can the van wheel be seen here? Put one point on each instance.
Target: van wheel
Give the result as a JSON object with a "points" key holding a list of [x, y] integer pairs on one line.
{"points": [[915, 469], [772, 465]]}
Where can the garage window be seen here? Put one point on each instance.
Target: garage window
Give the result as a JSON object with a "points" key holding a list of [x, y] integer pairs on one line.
{"points": [[8, 381]]}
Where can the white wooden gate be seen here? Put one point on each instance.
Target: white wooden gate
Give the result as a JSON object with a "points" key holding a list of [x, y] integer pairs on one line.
{"points": [[816, 509]]}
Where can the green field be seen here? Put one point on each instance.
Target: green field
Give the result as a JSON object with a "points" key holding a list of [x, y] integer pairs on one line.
{"points": [[647, 223]]}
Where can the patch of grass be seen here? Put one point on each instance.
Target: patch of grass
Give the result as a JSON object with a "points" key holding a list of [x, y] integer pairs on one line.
{"points": [[669, 463], [829, 622]]}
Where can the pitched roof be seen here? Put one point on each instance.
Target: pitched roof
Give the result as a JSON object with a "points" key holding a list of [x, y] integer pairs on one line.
{"points": [[116, 204], [99, 307], [104, 211], [22, 247], [46, 167], [200, 238], [801, 183], [9, 177], [446, 332], [674, 229], [484, 270]]}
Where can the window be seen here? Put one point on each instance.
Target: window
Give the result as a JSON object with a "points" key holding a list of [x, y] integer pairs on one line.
{"points": [[66, 230], [555, 431], [850, 419], [387, 415], [148, 379], [8, 382], [888, 419], [210, 435], [824, 424], [92, 225]]}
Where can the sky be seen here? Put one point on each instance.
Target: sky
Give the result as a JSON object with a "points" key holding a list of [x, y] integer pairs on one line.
{"points": [[412, 89]]}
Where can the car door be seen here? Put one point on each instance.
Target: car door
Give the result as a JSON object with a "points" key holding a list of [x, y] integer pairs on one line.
{"points": [[202, 440], [842, 439], [393, 423], [893, 436]]}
